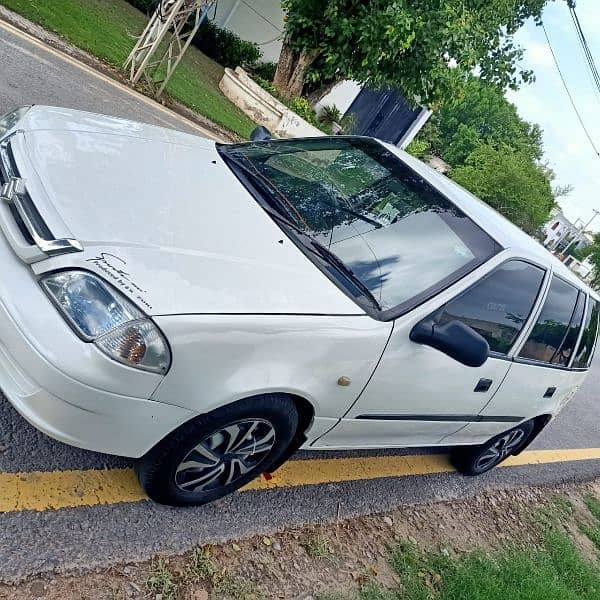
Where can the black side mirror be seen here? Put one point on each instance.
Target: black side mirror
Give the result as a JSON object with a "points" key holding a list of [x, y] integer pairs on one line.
{"points": [[455, 339], [260, 134]]}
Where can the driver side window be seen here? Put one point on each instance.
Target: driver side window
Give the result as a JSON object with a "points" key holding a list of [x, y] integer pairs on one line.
{"points": [[498, 306]]}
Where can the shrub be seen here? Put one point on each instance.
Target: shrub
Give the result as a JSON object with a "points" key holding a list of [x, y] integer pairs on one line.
{"points": [[330, 114], [224, 46], [146, 6], [418, 148], [264, 70], [302, 108]]}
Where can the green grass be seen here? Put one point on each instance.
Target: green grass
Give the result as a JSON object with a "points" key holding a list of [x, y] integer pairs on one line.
{"points": [[593, 531], [108, 29], [162, 582], [556, 571]]}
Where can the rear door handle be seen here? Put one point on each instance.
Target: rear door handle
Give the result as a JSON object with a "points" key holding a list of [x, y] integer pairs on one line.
{"points": [[483, 385], [549, 392]]}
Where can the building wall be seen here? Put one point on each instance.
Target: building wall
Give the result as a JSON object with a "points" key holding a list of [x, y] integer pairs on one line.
{"points": [[559, 229], [342, 95], [259, 21]]}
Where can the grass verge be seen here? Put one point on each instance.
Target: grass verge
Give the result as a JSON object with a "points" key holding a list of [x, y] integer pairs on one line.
{"points": [[556, 569], [108, 29]]}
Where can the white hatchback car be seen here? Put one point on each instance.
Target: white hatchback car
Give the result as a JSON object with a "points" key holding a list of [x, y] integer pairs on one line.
{"points": [[209, 309]]}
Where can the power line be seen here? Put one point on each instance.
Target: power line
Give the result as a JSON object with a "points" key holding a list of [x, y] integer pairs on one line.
{"points": [[584, 45], [564, 82]]}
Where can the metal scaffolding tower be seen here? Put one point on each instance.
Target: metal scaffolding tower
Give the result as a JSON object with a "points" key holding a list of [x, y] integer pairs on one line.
{"points": [[165, 40]]}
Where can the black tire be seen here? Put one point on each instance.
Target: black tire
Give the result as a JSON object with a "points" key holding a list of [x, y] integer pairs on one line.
{"points": [[476, 460], [167, 479]]}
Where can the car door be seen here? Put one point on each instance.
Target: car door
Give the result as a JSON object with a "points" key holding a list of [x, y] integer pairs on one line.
{"points": [[418, 395], [550, 366]]}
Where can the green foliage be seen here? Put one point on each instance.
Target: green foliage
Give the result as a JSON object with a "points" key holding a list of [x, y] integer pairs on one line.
{"points": [[410, 44], [555, 571], [594, 257], [330, 114], [264, 70], [510, 182], [146, 6], [302, 108], [224, 46], [162, 582], [418, 148], [493, 152], [481, 114]]}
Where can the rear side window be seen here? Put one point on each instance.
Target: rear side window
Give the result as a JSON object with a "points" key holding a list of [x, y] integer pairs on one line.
{"points": [[555, 333], [583, 358], [498, 306]]}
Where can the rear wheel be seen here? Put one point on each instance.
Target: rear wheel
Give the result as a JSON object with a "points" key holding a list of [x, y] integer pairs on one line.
{"points": [[219, 452], [475, 460]]}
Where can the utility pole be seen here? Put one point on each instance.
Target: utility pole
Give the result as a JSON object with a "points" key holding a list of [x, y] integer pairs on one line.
{"points": [[582, 230], [164, 41]]}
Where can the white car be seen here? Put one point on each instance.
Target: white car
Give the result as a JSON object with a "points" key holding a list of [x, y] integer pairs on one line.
{"points": [[208, 309]]}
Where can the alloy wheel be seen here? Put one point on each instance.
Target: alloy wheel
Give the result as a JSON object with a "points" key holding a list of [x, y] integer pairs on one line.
{"points": [[225, 455], [500, 449]]}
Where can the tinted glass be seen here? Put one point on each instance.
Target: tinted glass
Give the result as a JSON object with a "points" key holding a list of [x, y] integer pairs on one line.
{"points": [[399, 236], [583, 358], [498, 306], [546, 342]]}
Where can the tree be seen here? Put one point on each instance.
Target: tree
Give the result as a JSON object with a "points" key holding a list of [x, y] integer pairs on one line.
{"points": [[594, 258], [509, 181], [425, 47], [482, 114]]}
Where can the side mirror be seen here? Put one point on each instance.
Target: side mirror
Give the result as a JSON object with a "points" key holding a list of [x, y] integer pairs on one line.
{"points": [[455, 339], [260, 134]]}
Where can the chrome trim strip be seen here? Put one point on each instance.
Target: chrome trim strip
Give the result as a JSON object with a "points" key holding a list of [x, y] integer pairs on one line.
{"points": [[14, 192]]}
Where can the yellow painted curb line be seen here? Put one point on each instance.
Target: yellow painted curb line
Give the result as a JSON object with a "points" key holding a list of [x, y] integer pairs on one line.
{"points": [[49, 490]]}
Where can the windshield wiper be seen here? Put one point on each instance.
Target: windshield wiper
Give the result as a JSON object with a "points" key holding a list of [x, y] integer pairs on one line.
{"points": [[277, 209], [270, 192], [325, 254], [332, 259]]}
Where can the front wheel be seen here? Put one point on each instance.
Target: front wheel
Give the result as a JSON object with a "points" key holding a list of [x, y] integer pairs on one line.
{"points": [[476, 460], [219, 452]]}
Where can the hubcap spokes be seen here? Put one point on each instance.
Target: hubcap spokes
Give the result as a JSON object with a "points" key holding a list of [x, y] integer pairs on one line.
{"points": [[502, 448], [225, 456]]}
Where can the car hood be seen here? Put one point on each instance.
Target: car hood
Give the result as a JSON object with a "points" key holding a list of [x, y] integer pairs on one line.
{"points": [[163, 219]]}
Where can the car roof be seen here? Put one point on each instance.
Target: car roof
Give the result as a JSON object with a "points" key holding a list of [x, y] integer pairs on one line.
{"points": [[506, 233]]}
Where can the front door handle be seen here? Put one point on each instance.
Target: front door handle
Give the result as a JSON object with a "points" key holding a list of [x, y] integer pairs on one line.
{"points": [[483, 385], [549, 392]]}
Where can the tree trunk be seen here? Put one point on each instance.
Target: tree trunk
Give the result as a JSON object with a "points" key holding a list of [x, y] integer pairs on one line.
{"points": [[285, 67], [291, 67]]}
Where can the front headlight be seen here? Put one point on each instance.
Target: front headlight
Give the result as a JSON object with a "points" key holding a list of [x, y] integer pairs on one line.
{"points": [[100, 314]]}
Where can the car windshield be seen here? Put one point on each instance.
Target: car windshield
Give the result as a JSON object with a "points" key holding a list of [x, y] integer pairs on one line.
{"points": [[394, 232]]}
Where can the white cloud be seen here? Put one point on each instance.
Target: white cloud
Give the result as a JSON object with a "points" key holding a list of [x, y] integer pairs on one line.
{"points": [[538, 55]]}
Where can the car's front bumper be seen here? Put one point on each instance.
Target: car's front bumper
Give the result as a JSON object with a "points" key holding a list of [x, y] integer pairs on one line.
{"points": [[65, 387]]}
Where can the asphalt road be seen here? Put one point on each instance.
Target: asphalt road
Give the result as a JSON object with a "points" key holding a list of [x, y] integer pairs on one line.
{"points": [[32, 542]]}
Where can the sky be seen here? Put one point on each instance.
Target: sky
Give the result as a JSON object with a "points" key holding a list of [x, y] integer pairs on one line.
{"points": [[545, 102]]}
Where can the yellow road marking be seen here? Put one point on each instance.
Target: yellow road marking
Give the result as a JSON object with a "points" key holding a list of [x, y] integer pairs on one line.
{"points": [[41, 491], [98, 75]]}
